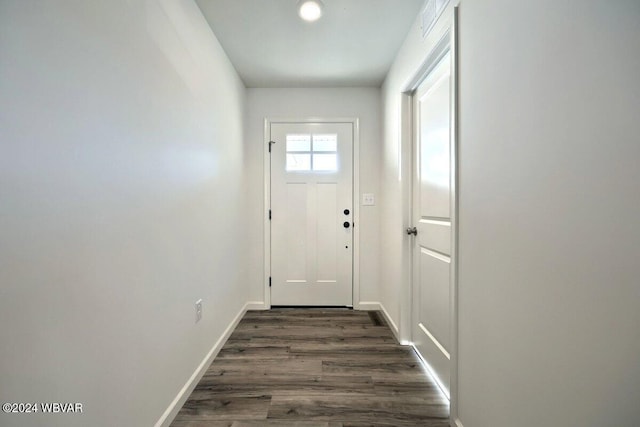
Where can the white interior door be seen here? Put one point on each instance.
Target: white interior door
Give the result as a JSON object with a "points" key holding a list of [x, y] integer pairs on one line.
{"points": [[311, 213], [432, 219]]}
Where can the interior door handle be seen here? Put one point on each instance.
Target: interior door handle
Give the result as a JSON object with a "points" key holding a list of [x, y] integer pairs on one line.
{"points": [[412, 230]]}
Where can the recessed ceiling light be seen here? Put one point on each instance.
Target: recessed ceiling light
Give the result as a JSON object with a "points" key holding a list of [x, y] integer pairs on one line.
{"points": [[310, 10]]}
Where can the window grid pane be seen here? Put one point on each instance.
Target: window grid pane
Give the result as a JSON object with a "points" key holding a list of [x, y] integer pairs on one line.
{"points": [[325, 143], [298, 143], [325, 162], [298, 161]]}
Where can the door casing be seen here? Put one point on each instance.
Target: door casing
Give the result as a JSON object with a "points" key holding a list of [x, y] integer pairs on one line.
{"points": [[448, 43], [355, 122], [432, 218]]}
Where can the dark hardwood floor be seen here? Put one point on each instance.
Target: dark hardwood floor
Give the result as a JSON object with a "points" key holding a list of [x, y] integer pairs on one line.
{"points": [[314, 368]]}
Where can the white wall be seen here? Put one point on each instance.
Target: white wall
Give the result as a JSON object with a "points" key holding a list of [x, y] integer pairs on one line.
{"points": [[549, 236], [363, 103], [549, 297], [121, 159]]}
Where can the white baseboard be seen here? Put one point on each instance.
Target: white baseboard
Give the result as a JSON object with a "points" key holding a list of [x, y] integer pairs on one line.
{"points": [[392, 324], [375, 305], [177, 403], [368, 306], [256, 305]]}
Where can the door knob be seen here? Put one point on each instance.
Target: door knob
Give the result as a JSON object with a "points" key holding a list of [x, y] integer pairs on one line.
{"points": [[346, 224], [412, 230]]}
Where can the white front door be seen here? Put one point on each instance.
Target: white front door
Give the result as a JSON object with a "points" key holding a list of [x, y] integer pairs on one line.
{"points": [[432, 219], [311, 213]]}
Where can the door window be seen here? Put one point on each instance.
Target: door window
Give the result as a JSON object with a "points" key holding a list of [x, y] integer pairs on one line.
{"points": [[315, 152]]}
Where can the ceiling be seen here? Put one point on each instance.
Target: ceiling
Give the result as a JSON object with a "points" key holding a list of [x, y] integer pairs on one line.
{"points": [[353, 44]]}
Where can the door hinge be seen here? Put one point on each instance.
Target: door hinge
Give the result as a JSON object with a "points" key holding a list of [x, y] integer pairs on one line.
{"points": [[269, 214], [269, 281], [270, 144]]}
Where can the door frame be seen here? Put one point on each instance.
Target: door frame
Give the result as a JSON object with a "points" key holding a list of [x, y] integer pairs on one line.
{"points": [[355, 261], [448, 43]]}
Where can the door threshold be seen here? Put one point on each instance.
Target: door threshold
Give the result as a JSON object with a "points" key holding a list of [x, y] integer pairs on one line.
{"points": [[324, 307]]}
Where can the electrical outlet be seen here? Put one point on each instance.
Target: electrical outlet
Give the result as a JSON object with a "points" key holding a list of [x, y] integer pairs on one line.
{"points": [[198, 310]]}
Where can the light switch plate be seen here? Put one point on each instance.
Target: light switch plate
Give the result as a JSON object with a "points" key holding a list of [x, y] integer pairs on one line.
{"points": [[368, 199], [198, 310]]}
